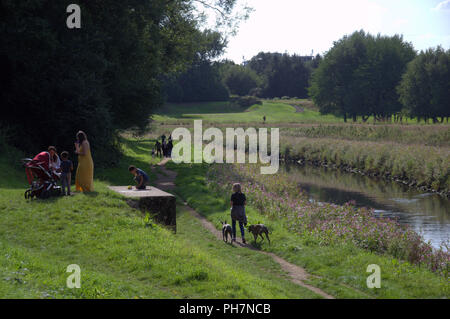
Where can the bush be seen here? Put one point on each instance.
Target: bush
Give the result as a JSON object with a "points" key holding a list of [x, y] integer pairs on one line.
{"points": [[245, 101]]}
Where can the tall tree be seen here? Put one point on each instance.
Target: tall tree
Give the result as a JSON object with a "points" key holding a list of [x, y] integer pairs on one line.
{"points": [[281, 74], [359, 75], [425, 87], [239, 79], [102, 78]]}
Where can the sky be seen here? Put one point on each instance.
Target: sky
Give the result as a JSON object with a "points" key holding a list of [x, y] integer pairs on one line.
{"points": [[303, 26]]}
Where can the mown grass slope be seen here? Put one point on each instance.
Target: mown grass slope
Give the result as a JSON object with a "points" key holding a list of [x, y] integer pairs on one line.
{"points": [[119, 253], [224, 112]]}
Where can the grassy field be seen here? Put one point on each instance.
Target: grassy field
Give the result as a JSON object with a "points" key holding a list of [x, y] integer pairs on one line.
{"points": [[287, 111], [224, 112], [120, 255]]}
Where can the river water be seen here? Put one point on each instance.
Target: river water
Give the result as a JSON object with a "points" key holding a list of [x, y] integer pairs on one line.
{"points": [[427, 213]]}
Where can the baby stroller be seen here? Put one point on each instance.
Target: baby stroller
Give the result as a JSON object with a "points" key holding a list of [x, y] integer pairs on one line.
{"points": [[42, 180]]}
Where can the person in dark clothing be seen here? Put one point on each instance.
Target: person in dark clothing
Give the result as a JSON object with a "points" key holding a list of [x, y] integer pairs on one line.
{"points": [[158, 149], [238, 201], [66, 172], [141, 178], [164, 148], [169, 148]]}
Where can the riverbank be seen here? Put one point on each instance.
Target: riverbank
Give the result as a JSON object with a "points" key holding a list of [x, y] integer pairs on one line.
{"points": [[341, 265], [426, 213], [424, 167]]}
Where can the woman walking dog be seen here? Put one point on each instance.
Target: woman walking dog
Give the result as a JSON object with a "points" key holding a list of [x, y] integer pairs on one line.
{"points": [[238, 201]]}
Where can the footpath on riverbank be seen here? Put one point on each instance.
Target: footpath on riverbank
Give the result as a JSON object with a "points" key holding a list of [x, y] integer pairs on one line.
{"points": [[298, 275]]}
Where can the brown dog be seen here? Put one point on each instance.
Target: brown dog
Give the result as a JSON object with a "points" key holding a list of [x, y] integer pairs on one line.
{"points": [[226, 230], [259, 229]]}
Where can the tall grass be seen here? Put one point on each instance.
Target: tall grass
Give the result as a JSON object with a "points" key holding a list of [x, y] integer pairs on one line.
{"points": [[328, 224], [436, 135], [425, 166]]}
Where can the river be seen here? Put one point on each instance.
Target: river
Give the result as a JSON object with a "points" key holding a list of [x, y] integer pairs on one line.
{"points": [[427, 213]]}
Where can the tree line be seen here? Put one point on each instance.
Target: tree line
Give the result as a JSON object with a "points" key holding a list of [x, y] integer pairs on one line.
{"points": [[383, 77], [266, 75], [362, 75]]}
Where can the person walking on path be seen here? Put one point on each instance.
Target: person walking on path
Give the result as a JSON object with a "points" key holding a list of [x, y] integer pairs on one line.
{"points": [[238, 201], [84, 178]]}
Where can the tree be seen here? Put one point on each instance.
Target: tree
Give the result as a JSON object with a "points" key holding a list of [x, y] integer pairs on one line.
{"points": [[102, 78], [359, 74], [201, 82], [281, 74], [425, 87], [239, 79]]}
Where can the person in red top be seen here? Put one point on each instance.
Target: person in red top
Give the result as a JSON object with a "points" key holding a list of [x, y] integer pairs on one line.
{"points": [[44, 159]]}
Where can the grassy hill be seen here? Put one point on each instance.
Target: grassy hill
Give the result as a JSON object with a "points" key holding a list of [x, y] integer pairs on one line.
{"points": [[224, 112], [120, 255]]}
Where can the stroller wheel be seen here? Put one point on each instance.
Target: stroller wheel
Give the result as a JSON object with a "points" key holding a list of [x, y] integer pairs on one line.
{"points": [[45, 194], [27, 194]]}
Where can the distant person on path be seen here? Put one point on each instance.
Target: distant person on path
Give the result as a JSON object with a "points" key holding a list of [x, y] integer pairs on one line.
{"points": [[66, 172], [164, 148], [264, 119], [84, 178], [158, 148], [169, 148], [141, 178], [163, 138], [238, 201]]}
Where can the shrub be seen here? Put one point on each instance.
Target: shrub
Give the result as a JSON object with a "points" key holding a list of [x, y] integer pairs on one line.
{"points": [[246, 101]]}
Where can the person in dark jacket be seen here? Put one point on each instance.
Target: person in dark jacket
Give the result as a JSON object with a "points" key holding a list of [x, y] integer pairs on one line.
{"points": [[238, 201], [141, 178]]}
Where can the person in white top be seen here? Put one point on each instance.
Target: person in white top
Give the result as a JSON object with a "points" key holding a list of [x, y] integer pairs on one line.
{"points": [[55, 165]]}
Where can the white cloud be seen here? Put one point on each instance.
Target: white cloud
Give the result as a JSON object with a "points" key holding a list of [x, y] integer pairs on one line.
{"points": [[443, 6]]}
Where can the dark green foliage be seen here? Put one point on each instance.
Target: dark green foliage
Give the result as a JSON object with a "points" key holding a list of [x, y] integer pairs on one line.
{"points": [[102, 78], [359, 74], [425, 87], [245, 101], [239, 79], [201, 82], [282, 74]]}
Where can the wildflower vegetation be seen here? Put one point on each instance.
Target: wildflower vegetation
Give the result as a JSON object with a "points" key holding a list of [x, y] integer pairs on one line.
{"points": [[309, 235], [328, 223]]}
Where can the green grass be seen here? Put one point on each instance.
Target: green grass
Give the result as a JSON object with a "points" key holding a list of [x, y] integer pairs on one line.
{"points": [[223, 112], [342, 268], [119, 254], [275, 110]]}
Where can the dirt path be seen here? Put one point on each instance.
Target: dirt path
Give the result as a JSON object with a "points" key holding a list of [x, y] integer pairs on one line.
{"points": [[298, 108], [165, 181]]}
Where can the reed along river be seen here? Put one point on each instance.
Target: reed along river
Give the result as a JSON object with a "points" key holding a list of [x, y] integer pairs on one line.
{"points": [[427, 213]]}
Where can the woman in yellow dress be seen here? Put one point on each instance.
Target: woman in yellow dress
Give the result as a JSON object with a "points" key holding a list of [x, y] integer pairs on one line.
{"points": [[84, 178]]}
